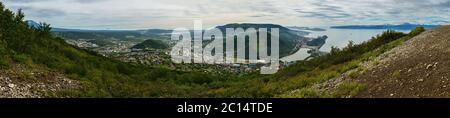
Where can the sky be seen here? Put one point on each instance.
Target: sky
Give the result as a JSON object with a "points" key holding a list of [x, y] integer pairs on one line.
{"points": [[168, 14]]}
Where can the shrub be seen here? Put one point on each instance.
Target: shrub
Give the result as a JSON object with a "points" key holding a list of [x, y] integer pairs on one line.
{"points": [[307, 93], [354, 74], [22, 58], [416, 31], [349, 89], [396, 74]]}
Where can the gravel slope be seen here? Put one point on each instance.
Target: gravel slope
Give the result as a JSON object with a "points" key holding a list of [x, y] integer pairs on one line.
{"points": [[418, 68]]}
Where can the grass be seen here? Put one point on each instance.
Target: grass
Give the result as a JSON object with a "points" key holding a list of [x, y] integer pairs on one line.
{"points": [[4, 63], [306, 93], [354, 74], [349, 89]]}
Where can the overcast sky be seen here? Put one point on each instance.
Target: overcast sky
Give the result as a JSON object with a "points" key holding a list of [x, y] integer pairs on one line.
{"points": [[137, 14]]}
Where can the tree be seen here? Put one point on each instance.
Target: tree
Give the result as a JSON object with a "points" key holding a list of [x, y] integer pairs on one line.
{"points": [[44, 28], [334, 50], [19, 16]]}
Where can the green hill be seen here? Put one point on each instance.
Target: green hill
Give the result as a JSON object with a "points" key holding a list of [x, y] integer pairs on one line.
{"points": [[288, 38], [151, 44]]}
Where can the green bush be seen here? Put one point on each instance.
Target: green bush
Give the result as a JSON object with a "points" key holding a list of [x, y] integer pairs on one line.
{"points": [[416, 31], [396, 74], [22, 58]]}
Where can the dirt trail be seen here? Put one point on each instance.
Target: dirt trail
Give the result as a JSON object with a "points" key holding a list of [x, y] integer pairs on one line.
{"points": [[418, 68]]}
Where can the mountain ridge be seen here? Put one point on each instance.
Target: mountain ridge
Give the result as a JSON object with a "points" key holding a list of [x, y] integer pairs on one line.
{"points": [[404, 26]]}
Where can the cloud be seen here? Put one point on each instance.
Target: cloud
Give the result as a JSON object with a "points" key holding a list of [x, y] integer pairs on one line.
{"points": [[31, 1], [89, 1], [22, 1], [179, 13], [38, 12]]}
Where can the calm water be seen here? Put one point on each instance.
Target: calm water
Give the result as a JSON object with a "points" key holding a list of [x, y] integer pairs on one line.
{"points": [[338, 38], [341, 37]]}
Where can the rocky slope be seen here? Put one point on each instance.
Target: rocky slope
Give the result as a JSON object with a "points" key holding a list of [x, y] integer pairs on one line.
{"points": [[24, 82], [418, 68]]}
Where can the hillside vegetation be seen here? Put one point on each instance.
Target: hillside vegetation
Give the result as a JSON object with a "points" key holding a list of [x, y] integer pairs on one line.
{"points": [[151, 44]]}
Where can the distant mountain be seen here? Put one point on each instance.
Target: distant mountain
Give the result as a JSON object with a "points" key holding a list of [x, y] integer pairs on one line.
{"points": [[32, 24], [76, 34], [306, 28], [252, 25], [268, 26], [143, 31], [404, 26], [69, 30]]}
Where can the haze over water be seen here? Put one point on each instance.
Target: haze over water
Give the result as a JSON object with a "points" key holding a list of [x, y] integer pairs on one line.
{"points": [[341, 37]]}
